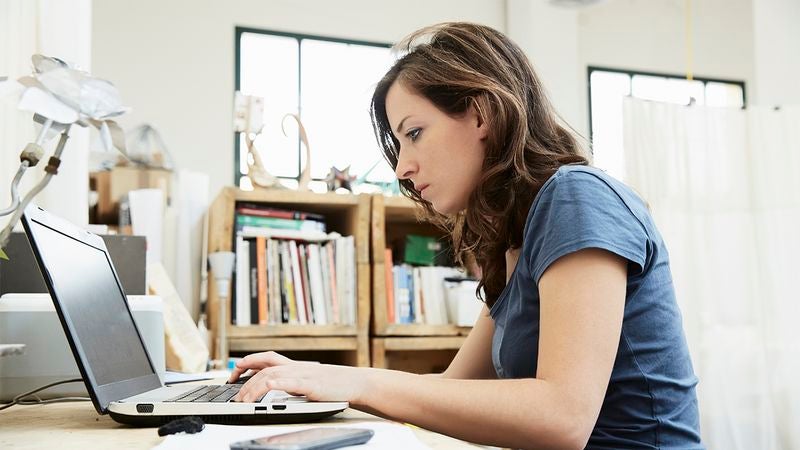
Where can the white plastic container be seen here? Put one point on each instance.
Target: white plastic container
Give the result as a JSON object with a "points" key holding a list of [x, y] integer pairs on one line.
{"points": [[31, 319], [463, 306]]}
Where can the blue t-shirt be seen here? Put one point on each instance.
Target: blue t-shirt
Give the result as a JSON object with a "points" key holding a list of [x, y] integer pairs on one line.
{"points": [[650, 401]]}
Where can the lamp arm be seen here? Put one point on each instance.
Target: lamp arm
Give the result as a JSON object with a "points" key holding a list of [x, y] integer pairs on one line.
{"points": [[51, 169]]}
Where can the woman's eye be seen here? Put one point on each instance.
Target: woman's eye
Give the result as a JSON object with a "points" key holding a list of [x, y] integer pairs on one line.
{"points": [[413, 134]]}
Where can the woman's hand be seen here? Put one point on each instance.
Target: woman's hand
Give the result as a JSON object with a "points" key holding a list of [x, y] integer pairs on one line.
{"points": [[318, 382]]}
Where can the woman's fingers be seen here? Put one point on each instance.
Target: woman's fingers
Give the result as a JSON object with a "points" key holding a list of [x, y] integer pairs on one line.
{"points": [[257, 361]]}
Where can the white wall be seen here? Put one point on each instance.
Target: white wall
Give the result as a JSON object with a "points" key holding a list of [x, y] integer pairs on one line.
{"points": [[51, 27], [173, 61], [643, 35], [649, 35], [777, 52], [549, 36]]}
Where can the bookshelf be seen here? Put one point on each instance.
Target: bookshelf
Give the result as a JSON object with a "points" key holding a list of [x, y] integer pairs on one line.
{"points": [[413, 347], [345, 214]]}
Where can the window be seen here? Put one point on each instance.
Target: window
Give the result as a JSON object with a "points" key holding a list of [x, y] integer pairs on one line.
{"points": [[329, 84], [608, 87]]}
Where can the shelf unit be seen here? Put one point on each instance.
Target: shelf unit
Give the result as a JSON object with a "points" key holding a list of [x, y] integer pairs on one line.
{"points": [[412, 347], [346, 214]]}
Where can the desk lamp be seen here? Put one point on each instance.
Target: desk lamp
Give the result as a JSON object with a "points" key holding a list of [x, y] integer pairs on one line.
{"points": [[60, 96], [222, 268]]}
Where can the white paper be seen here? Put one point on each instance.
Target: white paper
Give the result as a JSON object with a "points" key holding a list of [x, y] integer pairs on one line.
{"points": [[147, 218], [387, 436]]}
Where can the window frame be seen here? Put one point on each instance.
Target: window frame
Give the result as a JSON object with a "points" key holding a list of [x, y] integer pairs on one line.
{"points": [[632, 73], [239, 31]]}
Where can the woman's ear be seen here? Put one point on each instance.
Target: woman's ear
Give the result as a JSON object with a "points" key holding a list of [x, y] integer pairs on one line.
{"points": [[478, 116]]}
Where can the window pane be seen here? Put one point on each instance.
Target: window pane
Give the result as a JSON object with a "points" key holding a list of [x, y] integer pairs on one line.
{"points": [[269, 69], [671, 90], [724, 94], [608, 90], [337, 84]]}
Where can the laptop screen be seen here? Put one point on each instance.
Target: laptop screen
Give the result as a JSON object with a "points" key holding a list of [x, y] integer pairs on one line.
{"points": [[92, 307]]}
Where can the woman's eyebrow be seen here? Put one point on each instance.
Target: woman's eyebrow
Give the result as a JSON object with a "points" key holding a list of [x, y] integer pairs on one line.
{"points": [[400, 125]]}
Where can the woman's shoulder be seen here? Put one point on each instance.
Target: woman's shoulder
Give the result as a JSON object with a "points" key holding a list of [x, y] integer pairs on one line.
{"points": [[576, 184]]}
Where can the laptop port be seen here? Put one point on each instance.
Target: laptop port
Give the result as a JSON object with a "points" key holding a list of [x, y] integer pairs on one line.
{"points": [[144, 408], [278, 407]]}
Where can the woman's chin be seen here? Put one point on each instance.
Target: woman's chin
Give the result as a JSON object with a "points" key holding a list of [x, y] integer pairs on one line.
{"points": [[446, 208]]}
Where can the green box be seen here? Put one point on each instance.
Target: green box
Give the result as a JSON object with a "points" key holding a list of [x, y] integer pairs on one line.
{"points": [[421, 250]]}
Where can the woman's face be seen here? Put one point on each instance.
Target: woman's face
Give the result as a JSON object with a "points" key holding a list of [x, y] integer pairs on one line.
{"points": [[440, 154]]}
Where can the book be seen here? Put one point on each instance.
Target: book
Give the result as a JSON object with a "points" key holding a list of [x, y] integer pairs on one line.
{"points": [[254, 209], [278, 223], [326, 283], [282, 282], [334, 316], [301, 235], [301, 251], [387, 263], [416, 287], [402, 296], [299, 294], [288, 281], [317, 287], [253, 305], [240, 309], [275, 309], [261, 265]]}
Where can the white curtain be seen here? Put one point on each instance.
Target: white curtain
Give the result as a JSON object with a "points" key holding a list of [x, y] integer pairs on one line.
{"points": [[724, 188], [60, 28]]}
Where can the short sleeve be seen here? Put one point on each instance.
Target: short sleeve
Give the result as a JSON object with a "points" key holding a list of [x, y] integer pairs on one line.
{"points": [[576, 210]]}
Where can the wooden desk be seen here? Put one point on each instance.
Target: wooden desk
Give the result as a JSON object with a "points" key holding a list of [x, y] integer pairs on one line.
{"points": [[77, 425]]}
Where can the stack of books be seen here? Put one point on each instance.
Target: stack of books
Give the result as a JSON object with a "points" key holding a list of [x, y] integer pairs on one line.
{"points": [[417, 294], [289, 270]]}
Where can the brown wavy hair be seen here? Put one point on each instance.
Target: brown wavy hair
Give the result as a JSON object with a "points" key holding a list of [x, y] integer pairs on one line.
{"points": [[464, 65]]}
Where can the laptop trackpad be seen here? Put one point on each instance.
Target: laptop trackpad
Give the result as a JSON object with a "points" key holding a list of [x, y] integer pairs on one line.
{"points": [[275, 396]]}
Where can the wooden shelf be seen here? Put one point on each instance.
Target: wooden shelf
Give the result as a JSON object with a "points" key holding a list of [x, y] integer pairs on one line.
{"points": [[401, 329], [429, 354], [346, 214], [294, 343], [258, 331], [393, 218]]}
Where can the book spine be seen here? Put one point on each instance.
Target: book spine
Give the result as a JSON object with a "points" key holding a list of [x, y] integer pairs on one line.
{"points": [[253, 282], [286, 262], [282, 283], [419, 309], [335, 317], [299, 294], [261, 254], [242, 285], [301, 251], [300, 235], [317, 287], [255, 210], [276, 283], [278, 223], [387, 263]]}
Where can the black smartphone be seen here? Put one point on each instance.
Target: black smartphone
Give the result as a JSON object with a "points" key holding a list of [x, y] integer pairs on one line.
{"points": [[320, 438]]}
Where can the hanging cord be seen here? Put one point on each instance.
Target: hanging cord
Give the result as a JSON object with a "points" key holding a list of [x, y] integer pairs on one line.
{"points": [[21, 398], [689, 43]]}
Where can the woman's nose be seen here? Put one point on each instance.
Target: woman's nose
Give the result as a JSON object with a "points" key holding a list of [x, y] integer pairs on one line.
{"points": [[406, 167]]}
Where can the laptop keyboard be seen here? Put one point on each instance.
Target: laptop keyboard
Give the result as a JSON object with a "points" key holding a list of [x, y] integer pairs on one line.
{"points": [[214, 393]]}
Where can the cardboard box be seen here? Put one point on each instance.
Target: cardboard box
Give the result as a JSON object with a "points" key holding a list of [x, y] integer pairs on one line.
{"points": [[112, 185]]}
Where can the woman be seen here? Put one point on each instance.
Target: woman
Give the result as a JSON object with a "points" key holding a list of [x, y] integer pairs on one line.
{"points": [[580, 343]]}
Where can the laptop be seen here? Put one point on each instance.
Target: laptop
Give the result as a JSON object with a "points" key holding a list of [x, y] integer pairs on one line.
{"points": [[117, 369]]}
